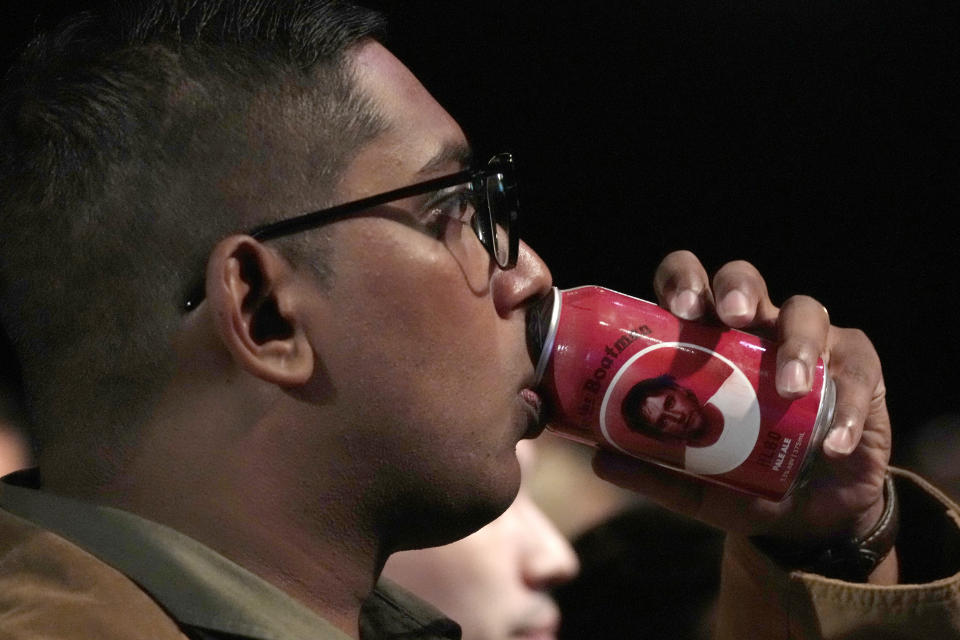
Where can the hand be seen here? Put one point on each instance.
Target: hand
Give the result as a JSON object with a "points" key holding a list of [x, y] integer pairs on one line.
{"points": [[844, 494]]}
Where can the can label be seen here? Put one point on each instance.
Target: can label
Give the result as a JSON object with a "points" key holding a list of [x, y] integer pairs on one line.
{"points": [[624, 374]]}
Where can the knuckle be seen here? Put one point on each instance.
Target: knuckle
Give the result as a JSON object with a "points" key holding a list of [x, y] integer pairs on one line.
{"points": [[739, 269], [802, 301], [742, 265], [857, 337], [679, 269], [849, 415], [677, 262], [880, 392], [858, 374], [802, 348], [739, 274], [862, 351], [683, 255]]}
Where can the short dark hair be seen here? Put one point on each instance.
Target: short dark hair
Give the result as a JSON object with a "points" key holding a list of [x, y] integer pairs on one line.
{"points": [[129, 138], [633, 403]]}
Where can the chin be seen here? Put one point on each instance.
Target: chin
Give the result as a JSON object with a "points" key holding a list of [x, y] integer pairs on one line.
{"points": [[455, 516]]}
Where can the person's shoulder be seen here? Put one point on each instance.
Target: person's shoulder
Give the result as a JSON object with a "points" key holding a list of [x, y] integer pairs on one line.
{"points": [[51, 588]]}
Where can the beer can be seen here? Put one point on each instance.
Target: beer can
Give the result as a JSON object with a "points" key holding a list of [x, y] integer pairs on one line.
{"points": [[626, 375]]}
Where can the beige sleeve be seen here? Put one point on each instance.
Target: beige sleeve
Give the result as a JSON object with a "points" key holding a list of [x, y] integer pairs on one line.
{"points": [[760, 600]]}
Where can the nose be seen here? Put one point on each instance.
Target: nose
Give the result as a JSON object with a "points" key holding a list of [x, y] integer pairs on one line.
{"points": [[675, 414], [528, 281], [547, 558]]}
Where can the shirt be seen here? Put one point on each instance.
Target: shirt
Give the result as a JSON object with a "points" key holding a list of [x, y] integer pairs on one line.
{"points": [[207, 595]]}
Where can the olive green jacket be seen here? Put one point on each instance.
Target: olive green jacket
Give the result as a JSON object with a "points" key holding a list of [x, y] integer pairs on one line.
{"points": [[71, 570]]}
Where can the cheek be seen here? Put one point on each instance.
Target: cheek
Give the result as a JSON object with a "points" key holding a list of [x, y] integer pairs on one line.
{"points": [[411, 294], [400, 274], [408, 326]]}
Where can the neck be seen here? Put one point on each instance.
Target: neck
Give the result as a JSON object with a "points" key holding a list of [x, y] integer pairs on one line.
{"points": [[249, 486], [325, 562]]}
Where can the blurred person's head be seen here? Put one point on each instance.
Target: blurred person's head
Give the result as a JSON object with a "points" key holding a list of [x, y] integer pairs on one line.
{"points": [[14, 447], [495, 582], [646, 574], [14, 451]]}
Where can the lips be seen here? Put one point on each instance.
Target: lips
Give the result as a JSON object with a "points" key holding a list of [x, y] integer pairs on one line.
{"points": [[534, 405]]}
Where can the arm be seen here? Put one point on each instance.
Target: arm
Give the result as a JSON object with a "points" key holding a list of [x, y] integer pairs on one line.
{"points": [[759, 599], [844, 498]]}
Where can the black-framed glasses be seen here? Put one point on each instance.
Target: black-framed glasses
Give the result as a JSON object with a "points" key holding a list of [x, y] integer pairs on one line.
{"points": [[485, 198]]}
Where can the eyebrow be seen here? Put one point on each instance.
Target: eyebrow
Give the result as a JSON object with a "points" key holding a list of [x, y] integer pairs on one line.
{"points": [[458, 153]]}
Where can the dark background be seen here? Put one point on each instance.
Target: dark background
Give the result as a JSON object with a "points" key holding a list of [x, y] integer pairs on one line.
{"points": [[818, 140]]}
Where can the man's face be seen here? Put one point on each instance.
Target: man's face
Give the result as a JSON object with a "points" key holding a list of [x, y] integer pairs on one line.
{"points": [[675, 412], [493, 582], [420, 340]]}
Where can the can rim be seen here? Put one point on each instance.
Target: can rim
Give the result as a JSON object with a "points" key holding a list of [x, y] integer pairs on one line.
{"points": [[821, 425], [551, 336]]}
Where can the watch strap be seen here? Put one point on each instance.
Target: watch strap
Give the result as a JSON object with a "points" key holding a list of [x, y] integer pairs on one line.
{"points": [[850, 559]]}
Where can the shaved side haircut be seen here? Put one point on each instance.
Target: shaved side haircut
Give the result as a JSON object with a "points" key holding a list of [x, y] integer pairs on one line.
{"points": [[133, 136]]}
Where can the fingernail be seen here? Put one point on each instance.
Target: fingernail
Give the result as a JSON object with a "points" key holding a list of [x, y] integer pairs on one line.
{"points": [[735, 304], [792, 377], [840, 440], [687, 305]]}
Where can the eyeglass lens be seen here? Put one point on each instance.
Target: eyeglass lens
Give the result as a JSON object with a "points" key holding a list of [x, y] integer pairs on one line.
{"points": [[498, 212]]}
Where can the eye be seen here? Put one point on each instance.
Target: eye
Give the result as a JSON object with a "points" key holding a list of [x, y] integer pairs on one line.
{"points": [[456, 204], [668, 402]]}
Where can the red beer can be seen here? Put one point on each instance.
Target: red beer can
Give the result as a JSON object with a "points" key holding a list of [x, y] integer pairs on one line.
{"points": [[623, 374]]}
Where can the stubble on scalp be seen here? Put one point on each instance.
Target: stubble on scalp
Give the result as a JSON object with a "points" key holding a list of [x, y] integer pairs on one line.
{"points": [[156, 150]]}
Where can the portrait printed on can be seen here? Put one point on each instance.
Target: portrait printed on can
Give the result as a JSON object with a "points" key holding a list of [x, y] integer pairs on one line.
{"points": [[683, 405]]}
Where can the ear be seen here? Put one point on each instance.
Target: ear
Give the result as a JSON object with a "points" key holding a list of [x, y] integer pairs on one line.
{"points": [[252, 295]]}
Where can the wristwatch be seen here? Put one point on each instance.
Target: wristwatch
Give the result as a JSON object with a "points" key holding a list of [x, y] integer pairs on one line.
{"points": [[850, 559]]}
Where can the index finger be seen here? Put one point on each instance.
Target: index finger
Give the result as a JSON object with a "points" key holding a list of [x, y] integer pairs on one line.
{"points": [[683, 286], [742, 298], [804, 326]]}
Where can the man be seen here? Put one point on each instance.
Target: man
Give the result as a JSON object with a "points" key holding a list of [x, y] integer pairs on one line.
{"points": [[237, 424], [662, 409], [495, 582]]}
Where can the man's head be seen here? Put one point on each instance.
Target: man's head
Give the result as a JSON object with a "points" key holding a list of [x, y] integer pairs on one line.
{"points": [[662, 409], [372, 373], [134, 136], [423, 336], [495, 581]]}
